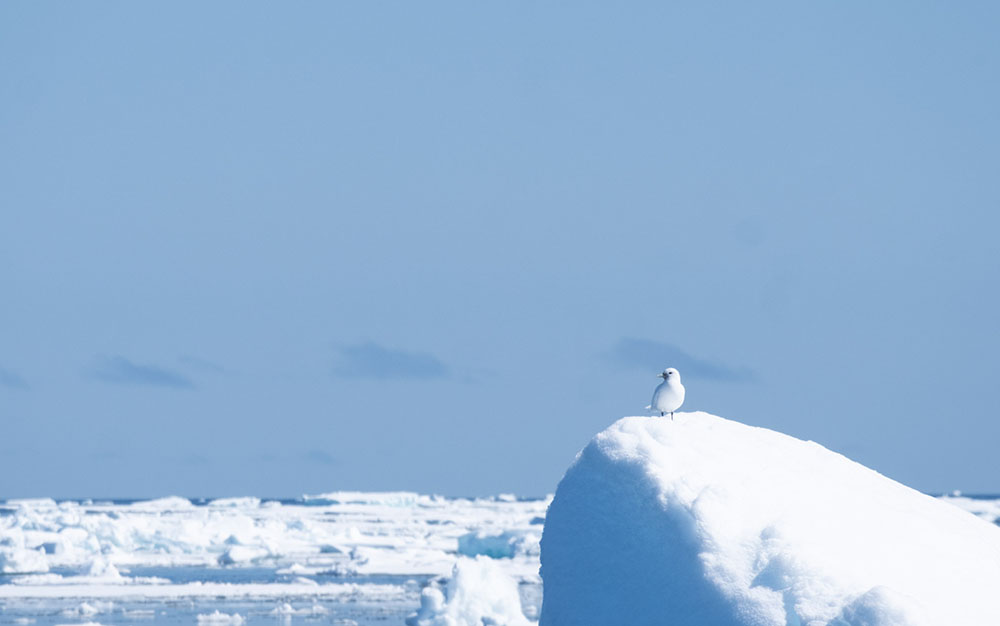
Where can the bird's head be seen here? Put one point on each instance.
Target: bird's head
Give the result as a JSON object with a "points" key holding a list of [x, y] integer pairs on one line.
{"points": [[670, 374]]}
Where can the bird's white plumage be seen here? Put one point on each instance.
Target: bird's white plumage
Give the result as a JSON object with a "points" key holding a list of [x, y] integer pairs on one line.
{"points": [[669, 395]]}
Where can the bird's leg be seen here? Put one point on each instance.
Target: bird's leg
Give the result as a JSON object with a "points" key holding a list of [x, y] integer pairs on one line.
{"points": [[662, 413], [671, 416]]}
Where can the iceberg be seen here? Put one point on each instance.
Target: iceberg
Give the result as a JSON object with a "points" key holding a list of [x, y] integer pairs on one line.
{"points": [[704, 521]]}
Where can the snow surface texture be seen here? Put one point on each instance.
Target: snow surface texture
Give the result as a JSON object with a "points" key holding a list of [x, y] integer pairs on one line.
{"points": [[707, 522]]}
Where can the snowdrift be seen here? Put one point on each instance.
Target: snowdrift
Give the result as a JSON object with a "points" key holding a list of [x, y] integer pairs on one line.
{"points": [[703, 521]]}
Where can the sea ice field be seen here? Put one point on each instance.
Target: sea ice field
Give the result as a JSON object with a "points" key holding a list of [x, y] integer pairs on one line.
{"points": [[337, 558], [424, 560], [340, 558]]}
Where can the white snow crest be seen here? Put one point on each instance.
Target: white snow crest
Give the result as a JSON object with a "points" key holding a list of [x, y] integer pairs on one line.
{"points": [[286, 610], [707, 522], [220, 619], [478, 592]]}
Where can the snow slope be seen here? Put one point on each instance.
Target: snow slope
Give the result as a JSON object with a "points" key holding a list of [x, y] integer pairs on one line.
{"points": [[707, 522]]}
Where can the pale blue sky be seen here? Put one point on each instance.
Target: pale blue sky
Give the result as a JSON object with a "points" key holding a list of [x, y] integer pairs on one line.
{"points": [[259, 249]]}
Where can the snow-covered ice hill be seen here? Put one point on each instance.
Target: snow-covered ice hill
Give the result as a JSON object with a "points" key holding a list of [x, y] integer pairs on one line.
{"points": [[707, 522]]}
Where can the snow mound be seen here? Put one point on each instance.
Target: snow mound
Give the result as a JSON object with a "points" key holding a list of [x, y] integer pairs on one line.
{"points": [[478, 593], [703, 521]]}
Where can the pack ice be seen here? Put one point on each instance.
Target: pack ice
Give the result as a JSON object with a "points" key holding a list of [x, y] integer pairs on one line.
{"points": [[704, 521], [339, 547]]}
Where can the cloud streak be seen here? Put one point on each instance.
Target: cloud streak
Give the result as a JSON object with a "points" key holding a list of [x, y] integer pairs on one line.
{"points": [[12, 380], [655, 355], [319, 457], [120, 371], [373, 361]]}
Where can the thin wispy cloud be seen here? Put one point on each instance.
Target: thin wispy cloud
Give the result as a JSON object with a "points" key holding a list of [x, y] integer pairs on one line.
{"points": [[320, 457], [656, 355], [120, 371], [371, 360], [12, 380], [193, 458]]}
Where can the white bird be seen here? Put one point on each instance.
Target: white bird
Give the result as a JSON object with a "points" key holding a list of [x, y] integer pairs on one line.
{"points": [[669, 395]]}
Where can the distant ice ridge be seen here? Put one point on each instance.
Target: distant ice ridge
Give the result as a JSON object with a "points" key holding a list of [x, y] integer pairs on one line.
{"points": [[171, 591], [506, 544], [707, 522]]}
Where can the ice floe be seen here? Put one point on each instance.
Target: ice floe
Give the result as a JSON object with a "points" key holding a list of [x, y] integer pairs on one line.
{"points": [[371, 591], [478, 592], [89, 609], [286, 610], [215, 618]]}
